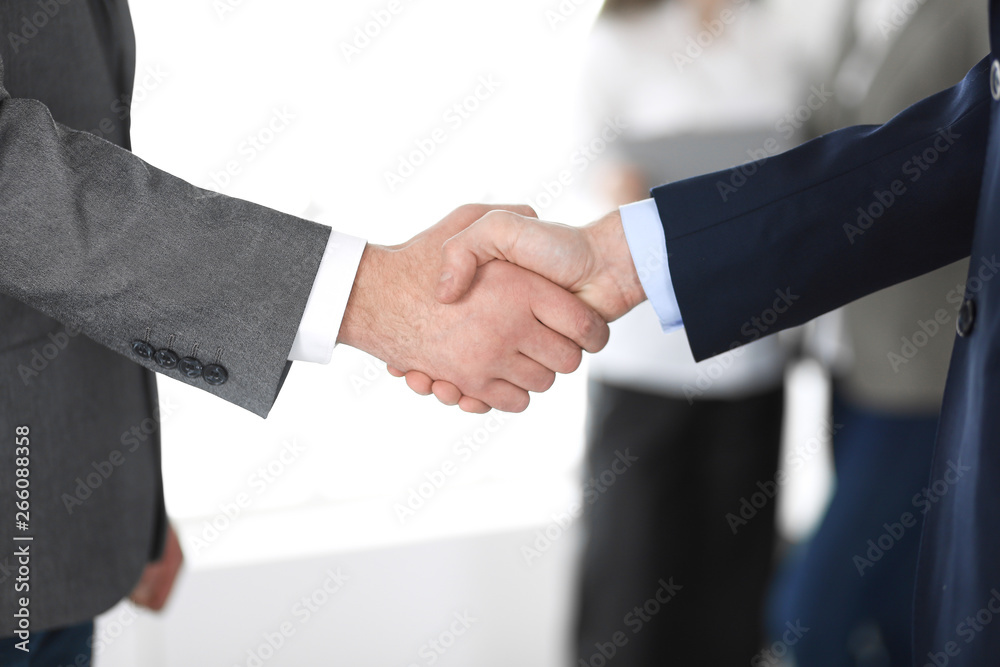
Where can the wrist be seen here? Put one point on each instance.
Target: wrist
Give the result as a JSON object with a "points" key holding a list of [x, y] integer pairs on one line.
{"points": [[384, 315], [360, 325], [609, 245]]}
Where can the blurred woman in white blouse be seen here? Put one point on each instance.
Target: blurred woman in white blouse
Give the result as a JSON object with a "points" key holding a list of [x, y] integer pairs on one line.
{"points": [[700, 85]]}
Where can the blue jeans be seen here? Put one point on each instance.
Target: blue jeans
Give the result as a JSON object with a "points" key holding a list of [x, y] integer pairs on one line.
{"points": [[852, 584], [59, 647]]}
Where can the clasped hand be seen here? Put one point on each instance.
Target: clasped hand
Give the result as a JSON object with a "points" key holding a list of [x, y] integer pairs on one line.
{"points": [[480, 333]]}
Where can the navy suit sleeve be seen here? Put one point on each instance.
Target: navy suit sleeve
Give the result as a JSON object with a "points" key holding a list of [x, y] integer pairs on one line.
{"points": [[773, 244]]}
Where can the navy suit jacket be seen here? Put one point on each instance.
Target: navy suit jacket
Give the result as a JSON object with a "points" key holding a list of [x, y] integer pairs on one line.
{"points": [[773, 244]]}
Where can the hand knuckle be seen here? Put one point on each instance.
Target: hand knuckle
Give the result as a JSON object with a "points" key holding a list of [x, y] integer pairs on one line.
{"points": [[585, 325]]}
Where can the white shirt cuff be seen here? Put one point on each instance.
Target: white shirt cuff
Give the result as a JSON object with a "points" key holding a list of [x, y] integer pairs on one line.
{"points": [[320, 325], [648, 245]]}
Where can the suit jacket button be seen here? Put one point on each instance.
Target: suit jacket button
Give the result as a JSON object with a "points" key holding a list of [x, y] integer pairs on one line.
{"points": [[995, 80], [166, 358], [190, 367], [216, 375], [966, 317], [143, 349]]}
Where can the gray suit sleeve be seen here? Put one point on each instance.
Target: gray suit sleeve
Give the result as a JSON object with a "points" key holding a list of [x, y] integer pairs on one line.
{"points": [[98, 239]]}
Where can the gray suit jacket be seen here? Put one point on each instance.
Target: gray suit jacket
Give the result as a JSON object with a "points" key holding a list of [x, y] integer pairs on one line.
{"points": [[111, 268]]}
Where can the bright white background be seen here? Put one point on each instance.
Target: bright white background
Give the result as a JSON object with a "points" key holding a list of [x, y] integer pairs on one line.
{"points": [[213, 74]]}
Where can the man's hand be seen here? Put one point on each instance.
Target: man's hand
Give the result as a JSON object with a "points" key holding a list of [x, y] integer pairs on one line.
{"points": [[594, 262], [509, 334], [158, 578]]}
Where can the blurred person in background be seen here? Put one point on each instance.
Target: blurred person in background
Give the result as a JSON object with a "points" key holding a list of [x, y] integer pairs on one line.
{"points": [[699, 86], [852, 583]]}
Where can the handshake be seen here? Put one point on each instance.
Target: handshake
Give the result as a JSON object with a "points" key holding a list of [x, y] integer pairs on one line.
{"points": [[490, 303]]}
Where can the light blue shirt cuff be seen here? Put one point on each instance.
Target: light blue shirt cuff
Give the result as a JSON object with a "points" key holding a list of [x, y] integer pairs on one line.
{"points": [[648, 245]]}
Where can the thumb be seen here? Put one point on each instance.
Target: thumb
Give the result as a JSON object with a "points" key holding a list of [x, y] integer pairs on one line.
{"points": [[491, 237]]}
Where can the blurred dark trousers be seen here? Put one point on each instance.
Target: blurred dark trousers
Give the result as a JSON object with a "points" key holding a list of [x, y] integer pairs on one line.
{"points": [[59, 647], [663, 523], [852, 584]]}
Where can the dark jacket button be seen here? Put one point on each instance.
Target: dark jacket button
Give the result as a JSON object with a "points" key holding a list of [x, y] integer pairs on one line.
{"points": [[216, 375], [966, 317], [143, 349], [191, 367], [166, 358]]}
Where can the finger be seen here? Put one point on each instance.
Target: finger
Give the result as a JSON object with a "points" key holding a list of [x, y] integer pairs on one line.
{"points": [[419, 382], [446, 392], [395, 372], [551, 350], [530, 375], [504, 396], [488, 238], [467, 215], [473, 405], [520, 209], [566, 314], [142, 595]]}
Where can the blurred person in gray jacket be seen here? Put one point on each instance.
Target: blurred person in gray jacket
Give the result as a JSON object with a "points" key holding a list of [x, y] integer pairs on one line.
{"points": [[852, 583]]}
